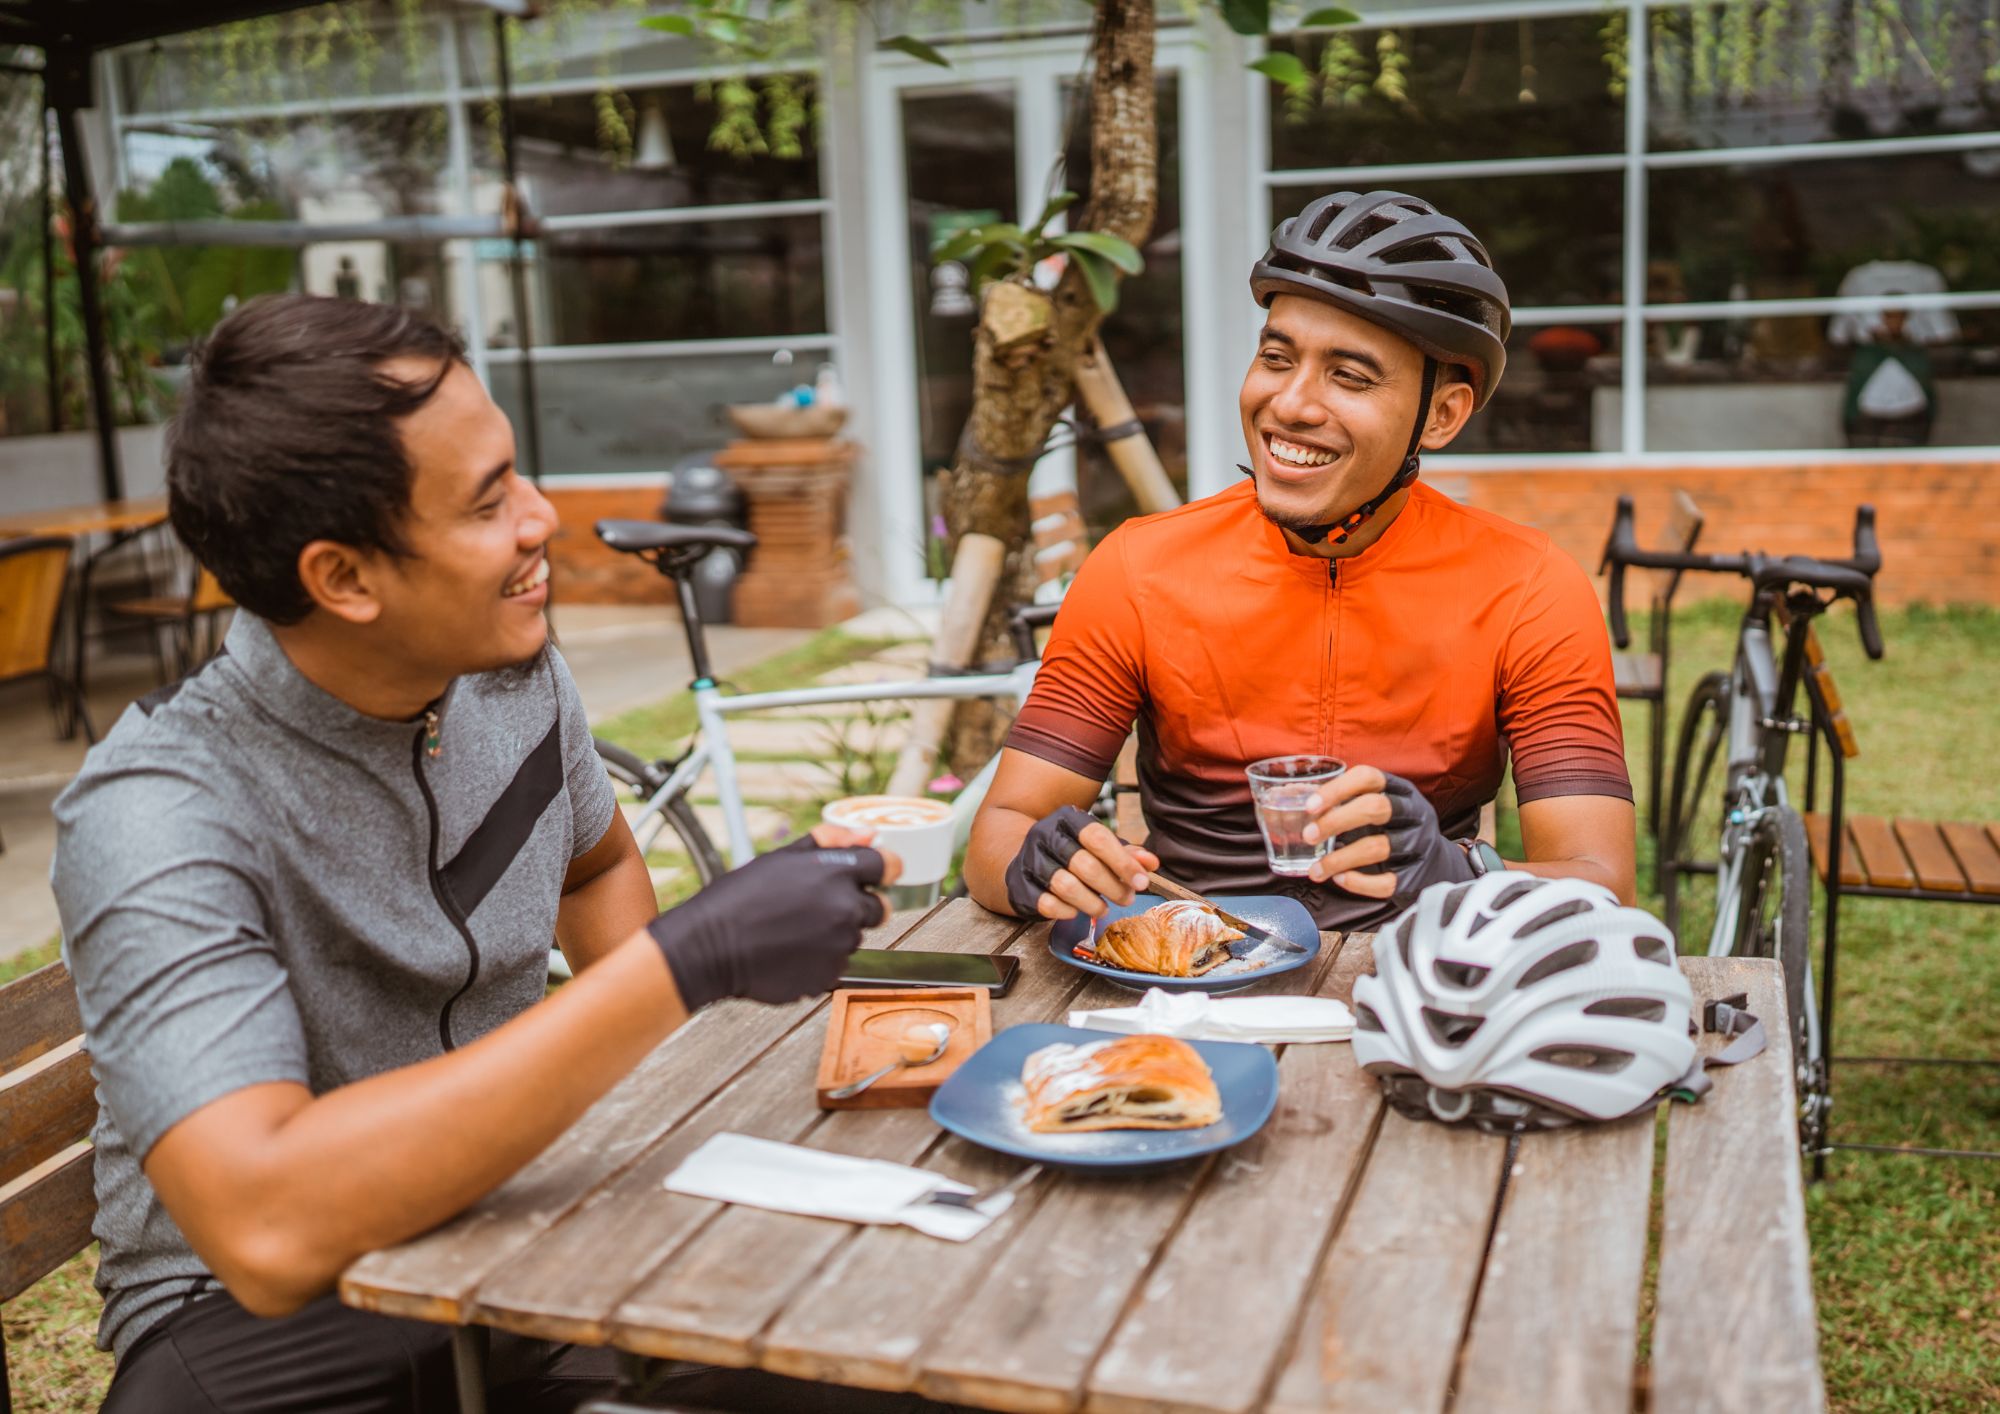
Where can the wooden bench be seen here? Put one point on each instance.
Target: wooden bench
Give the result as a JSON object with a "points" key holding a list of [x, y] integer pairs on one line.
{"points": [[1871, 856], [48, 1104], [1642, 677]]}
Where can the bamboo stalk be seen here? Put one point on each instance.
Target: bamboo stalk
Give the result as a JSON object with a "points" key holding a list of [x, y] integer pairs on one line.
{"points": [[975, 572], [1132, 452]]}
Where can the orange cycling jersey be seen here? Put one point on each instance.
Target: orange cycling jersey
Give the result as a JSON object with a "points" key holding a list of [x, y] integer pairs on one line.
{"points": [[1454, 642]]}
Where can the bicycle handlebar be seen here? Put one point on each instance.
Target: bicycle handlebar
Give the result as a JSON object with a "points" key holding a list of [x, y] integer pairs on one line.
{"points": [[1023, 622], [1844, 579]]}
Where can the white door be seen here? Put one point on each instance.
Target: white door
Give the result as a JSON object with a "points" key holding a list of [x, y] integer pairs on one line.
{"points": [[978, 142]]}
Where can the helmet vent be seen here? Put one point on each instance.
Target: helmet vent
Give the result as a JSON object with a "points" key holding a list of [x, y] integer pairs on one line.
{"points": [[1597, 1059], [1638, 1008], [1365, 1018], [1460, 974], [1451, 902], [1556, 915], [1653, 950], [1451, 1030], [1514, 891], [1561, 960]]}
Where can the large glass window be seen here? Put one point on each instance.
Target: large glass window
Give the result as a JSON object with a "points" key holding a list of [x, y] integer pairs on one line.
{"points": [[1449, 93], [382, 116], [651, 149], [1819, 262]]}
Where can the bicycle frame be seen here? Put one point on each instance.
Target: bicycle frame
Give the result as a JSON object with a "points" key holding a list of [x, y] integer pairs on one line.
{"points": [[713, 708]]}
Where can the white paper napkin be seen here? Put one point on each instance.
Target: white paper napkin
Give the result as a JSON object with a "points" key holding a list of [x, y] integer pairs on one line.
{"points": [[1199, 1016], [787, 1178]]}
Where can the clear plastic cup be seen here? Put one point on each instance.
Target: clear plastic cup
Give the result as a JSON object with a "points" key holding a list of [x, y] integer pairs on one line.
{"points": [[1280, 786]]}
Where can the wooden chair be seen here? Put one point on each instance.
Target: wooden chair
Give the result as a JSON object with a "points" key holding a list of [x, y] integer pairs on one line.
{"points": [[1867, 856], [34, 572], [183, 615], [48, 1104], [1643, 676]]}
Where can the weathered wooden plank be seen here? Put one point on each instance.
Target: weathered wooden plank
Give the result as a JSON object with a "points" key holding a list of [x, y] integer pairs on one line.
{"points": [[432, 1277], [1930, 856], [37, 1013], [1819, 830], [1250, 1244], [1976, 856], [1025, 1338], [713, 1297], [45, 1218], [1881, 857], [825, 1333], [45, 1106], [1557, 1326], [1382, 1328], [566, 1282], [1636, 674], [1733, 1325]]}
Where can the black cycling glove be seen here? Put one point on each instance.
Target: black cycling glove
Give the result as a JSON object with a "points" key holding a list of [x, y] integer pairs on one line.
{"points": [[779, 928], [1050, 844], [1419, 853]]}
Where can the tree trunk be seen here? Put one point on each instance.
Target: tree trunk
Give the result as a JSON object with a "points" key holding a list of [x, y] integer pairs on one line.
{"points": [[1019, 392]]}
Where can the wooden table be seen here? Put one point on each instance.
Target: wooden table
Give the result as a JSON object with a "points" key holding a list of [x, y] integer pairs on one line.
{"points": [[1345, 1258], [118, 521], [101, 518]]}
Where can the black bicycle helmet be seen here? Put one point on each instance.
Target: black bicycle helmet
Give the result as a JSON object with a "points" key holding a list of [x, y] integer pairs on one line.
{"points": [[1397, 262]]}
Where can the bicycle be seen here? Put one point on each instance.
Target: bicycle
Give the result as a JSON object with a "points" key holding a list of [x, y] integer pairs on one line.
{"points": [[1749, 715], [663, 785]]}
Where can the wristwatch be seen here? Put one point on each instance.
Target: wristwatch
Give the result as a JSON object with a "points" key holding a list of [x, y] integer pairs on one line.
{"points": [[1483, 858]]}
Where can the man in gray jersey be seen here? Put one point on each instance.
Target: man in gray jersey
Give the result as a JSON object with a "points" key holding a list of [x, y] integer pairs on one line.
{"points": [[308, 894]]}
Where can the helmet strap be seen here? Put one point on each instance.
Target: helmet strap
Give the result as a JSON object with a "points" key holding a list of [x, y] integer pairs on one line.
{"points": [[1341, 529]]}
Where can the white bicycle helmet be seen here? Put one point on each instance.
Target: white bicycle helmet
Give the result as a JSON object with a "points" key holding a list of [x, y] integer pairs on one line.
{"points": [[1515, 1002]]}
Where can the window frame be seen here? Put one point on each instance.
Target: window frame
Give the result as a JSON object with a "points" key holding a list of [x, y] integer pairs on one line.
{"points": [[1632, 313]]}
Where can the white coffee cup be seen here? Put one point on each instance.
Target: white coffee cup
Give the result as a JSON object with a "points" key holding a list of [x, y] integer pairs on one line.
{"points": [[918, 831]]}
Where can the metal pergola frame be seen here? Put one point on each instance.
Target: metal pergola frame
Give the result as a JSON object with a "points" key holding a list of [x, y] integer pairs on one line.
{"points": [[70, 34]]}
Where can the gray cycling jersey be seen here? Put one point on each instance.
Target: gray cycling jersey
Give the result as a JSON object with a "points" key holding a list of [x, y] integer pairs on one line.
{"points": [[258, 883]]}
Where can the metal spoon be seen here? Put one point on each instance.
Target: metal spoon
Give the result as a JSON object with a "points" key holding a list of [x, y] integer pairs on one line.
{"points": [[936, 1030]]}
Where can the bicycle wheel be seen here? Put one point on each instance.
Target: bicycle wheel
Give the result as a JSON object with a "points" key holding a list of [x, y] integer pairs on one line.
{"points": [[1703, 724], [1772, 920], [641, 778]]}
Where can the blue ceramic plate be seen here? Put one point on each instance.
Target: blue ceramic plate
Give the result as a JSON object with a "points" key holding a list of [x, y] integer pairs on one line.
{"points": [[1253, 961], [982, 1102]]}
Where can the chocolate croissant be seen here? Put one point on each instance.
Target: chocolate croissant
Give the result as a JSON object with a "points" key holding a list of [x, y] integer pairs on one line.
{"points": [[1133, 1082], [1177, 939]]}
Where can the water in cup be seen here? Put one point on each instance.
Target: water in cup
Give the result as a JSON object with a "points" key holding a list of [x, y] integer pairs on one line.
{"points": [[1283, 815], [1281, 787]]}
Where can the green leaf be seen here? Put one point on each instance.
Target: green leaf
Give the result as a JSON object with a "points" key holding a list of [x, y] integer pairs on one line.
{"points": [[1329, 18], [1097, 274], [1059, 203], [668, 24], [1247, 16], [994, 261], [960, 245], [1285, 68], [1121, 253], [916, 49]]}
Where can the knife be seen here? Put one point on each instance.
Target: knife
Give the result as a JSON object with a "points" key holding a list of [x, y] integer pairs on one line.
{"points": [[1262, 935]]}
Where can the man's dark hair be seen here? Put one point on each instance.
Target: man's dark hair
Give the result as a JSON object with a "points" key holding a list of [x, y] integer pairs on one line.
{"points": [[287, 434]]}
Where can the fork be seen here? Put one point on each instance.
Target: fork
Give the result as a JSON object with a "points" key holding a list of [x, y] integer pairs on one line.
{"points": [[973, 1200]]}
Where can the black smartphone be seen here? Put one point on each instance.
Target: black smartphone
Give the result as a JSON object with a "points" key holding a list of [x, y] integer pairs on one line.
{"points": [[876, 967]]}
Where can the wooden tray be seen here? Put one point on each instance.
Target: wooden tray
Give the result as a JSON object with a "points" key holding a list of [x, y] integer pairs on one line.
{"points": [[862, 1030]]}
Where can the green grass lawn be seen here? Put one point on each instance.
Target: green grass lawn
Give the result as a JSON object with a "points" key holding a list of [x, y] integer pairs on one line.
{"points": [[1906, 1251]]}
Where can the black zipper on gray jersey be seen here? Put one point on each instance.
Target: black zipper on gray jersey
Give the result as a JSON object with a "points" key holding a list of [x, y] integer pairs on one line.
{"points": [[443, 895]]}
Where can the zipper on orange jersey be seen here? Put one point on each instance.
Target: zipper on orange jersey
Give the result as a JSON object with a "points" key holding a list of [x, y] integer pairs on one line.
{"points": [[1330, 668]]}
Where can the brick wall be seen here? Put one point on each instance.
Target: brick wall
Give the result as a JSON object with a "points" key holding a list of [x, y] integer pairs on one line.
{"points": [[1938, 522], [581, 569]]}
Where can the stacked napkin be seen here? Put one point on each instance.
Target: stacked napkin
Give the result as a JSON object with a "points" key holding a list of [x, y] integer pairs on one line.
{"points": [[786, 1178], [1197, 1016]]}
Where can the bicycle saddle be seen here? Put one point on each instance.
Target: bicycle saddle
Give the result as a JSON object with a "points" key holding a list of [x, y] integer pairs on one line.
{"points": [[637, 537]]}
